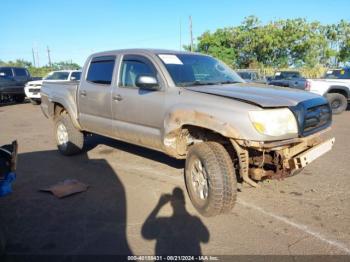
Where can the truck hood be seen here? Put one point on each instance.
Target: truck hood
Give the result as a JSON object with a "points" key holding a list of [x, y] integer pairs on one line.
{"points": [[35, 82], [258, 94]]}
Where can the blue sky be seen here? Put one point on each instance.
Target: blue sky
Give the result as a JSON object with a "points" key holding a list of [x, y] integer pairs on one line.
{"points": [[75, 29]]}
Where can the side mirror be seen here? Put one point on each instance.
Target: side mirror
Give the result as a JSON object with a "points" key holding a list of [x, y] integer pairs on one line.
{"points": [[2, 74], [147, 82], [73, 78]]}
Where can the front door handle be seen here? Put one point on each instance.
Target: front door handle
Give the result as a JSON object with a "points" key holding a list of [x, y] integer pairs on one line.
{"points": [[83, 93], [117, 98]]}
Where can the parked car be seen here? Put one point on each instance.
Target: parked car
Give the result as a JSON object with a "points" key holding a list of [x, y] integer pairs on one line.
{"points": [[251, 75], [12, 81], [334, 85], [220, 124], [292, 79], [32, 88]]}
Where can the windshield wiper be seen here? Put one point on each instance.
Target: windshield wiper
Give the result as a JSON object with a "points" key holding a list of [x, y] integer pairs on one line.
{"points": [[228, 82], [197, 83]]}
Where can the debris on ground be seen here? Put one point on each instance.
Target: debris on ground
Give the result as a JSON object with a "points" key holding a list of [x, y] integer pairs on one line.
{"points": [[8, 161], [66, 188]]}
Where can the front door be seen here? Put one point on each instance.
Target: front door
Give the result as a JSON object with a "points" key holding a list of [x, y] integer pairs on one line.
{"points": [[138, 113]]}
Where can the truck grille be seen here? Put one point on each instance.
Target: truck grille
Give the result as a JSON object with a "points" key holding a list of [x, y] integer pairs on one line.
{"points": [[34, 90], [316, 118]]}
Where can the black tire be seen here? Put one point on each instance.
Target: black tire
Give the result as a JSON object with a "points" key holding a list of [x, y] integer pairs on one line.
{"points": [[221, 179], [75, 138], [35, 102], [338, 102], [19, 98]]}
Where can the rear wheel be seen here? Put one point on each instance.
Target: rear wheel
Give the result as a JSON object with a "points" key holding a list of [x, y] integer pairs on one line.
{"points": [[35, 102], [70, 140], [338, 102], [210, 179]]}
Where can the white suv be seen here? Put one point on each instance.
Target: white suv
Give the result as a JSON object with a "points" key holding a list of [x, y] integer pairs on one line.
{"points": [[32, 88]]}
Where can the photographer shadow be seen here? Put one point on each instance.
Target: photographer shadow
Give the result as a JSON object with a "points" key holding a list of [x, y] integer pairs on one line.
{"points": [[180, 234]]}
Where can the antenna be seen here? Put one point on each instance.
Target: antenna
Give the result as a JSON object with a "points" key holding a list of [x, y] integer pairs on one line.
{"points": [[48, 55], [191, 34]]}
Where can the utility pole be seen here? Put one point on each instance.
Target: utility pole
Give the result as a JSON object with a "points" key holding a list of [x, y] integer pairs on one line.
{"points": [[180, 36], [191, 34], [33, 57], [37, 57], [48, 55]]}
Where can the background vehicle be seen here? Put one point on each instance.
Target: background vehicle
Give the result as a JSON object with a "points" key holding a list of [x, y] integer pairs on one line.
{"points": [[12, 81], [335, 86], [192, 107], [32, 88], [292, 79], [251, 75]]}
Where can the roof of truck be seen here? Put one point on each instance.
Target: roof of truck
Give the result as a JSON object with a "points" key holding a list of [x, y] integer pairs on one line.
{"points": [[145, 50]]}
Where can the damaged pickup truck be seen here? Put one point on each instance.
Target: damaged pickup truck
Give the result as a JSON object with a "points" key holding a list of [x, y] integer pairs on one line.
{"points": [[192, 106]]}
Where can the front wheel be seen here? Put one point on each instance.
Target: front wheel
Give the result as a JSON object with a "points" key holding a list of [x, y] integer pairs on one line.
{"points": [[338, 102], [19, 98], [210, 179], [70, 140]]}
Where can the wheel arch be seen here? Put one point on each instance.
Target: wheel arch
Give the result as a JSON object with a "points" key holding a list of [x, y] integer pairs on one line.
{"points": [[343, 90]]}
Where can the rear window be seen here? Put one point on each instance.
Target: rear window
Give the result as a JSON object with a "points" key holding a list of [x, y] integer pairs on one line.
{"points": [[58, 76], [338, 74], [20, 72], [286, 75], [5, 72], [101, 70], [76, 75]]}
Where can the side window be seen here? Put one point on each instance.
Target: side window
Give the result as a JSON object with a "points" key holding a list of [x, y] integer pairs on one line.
{"points": [[101, 70], [20, 72], [131, 68], [5, 72]]}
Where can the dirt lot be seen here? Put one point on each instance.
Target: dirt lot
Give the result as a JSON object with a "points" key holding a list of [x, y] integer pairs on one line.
{"points": [[123, 212]]}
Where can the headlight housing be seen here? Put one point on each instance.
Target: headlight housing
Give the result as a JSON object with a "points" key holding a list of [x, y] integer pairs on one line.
{"points": [[274, 122]]}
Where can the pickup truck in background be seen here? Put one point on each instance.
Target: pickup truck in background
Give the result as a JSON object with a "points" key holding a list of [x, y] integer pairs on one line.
{"points": [[292, 79], [191, 106], [251, 75], [12, 81], [32, 88], [335, 86]]}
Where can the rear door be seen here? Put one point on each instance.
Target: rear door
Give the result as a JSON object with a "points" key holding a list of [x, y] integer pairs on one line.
{"points": [[138, 113], [95, 96]]}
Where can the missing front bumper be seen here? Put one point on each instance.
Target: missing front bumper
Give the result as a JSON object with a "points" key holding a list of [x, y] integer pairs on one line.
{"points": [[306, 157]]}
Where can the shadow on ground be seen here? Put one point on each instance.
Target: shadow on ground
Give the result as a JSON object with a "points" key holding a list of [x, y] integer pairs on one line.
{"points": [[93, 222]]}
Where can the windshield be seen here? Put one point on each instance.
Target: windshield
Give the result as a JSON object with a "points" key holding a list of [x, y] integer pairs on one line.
{"points": [[338, 74], [57, 76], [286, 75], [192, 70]]}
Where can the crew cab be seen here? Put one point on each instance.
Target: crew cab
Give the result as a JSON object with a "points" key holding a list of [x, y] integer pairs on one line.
{"points": [[191, 106], [12, 81], [32, 88]]}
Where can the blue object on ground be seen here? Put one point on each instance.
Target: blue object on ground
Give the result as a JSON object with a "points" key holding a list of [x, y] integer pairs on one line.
{"points": [[6, 184]]}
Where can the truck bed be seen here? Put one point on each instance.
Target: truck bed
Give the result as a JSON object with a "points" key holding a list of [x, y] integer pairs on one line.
{"points": [[64, 93]]}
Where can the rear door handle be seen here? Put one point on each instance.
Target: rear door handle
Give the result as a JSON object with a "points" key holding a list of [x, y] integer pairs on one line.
{"points": [[83, 93], [117, 98]]}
